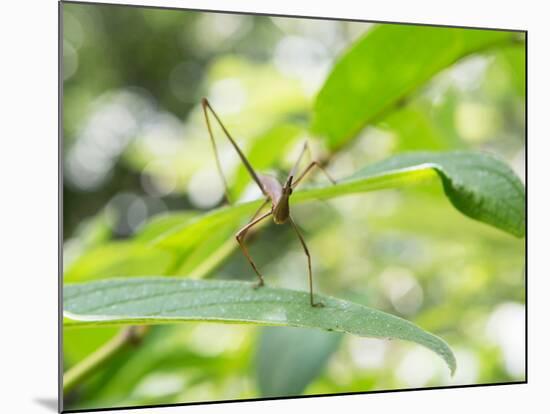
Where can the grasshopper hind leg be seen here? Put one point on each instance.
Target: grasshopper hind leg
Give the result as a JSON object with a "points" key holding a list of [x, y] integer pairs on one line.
{"points": [[240, 239], [310, 274]]}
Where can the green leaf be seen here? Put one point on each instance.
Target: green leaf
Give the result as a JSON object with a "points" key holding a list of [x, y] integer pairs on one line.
{"points": [[136, 257], [119, 258], [477, 184], [515, 58], [162, 223], [416, 130], [155, 300], [202, 257], [385, 67], [281, 350]]}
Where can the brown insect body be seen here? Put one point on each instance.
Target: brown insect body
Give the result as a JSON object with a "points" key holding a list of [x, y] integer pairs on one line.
{"points": [[279, 196]]}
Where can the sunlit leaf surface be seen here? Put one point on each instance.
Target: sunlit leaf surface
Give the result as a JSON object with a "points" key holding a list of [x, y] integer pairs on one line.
{"points": [[155, 300], [383, 68], [477, 184]]}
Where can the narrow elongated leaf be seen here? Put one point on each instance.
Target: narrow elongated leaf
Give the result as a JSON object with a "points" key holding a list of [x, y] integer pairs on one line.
{"points": [[477, 184], [162, 223], [155, 300], [386, 66]]}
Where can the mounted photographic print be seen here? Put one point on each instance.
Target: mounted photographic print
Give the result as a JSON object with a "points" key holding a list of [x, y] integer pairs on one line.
{"points": [[260, 206]]}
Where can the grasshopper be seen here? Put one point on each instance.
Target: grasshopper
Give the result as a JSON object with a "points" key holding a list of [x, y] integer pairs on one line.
{"points": [[276, 193]]}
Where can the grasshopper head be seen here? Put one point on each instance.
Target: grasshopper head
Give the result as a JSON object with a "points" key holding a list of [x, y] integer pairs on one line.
{"points": [[287, 189]]}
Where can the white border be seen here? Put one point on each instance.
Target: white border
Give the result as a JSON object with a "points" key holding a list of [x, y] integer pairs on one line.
{"points": [[29, 202]]}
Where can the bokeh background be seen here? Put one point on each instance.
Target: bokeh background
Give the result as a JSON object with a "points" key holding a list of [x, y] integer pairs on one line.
{"points": [[135, 147]]}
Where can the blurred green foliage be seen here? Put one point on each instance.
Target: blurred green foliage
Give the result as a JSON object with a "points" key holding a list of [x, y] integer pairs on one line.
{"points": [[135, 152], [405, 57]]}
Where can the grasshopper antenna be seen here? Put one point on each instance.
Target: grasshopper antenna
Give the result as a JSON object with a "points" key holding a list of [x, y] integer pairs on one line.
{"points": [[215, 148], [206, 106]]}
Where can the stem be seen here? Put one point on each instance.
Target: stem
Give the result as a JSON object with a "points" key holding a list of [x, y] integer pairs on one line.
{"points": [[129, 336]]}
